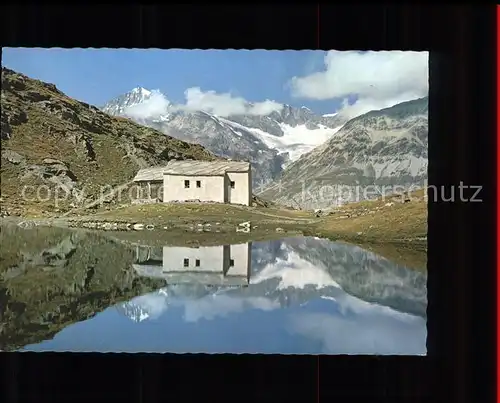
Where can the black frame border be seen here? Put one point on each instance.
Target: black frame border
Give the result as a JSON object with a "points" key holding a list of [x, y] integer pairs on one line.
{"points": [[461, 273]]}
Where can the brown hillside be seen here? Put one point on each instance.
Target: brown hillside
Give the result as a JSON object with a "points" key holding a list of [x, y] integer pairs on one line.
{"points": [[51, 139]]}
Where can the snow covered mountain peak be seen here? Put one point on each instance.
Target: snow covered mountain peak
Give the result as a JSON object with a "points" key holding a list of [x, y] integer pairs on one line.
{"points": [[142, 91], [270, 141], [120, 105]]}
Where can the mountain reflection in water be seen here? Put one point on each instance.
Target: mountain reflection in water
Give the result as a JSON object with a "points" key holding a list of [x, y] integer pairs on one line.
{"points": [[291, 296]]}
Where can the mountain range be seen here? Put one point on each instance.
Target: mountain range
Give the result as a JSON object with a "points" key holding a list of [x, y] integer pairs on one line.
{"points": [[269, 142], [300, 158]]}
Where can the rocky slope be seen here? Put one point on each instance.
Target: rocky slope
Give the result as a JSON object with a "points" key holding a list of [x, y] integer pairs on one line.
{"points": [[269, 142], [51, 139], [386, 148]]}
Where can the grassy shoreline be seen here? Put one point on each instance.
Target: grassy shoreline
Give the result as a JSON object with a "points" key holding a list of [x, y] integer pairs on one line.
{"points": [[389, 227]]}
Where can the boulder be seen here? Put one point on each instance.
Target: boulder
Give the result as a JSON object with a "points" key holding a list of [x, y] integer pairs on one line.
{"points": [[13, 157]]}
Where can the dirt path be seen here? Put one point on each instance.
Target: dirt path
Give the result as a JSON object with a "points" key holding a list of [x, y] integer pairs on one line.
{"points": [[285, 217], [304, 220]]}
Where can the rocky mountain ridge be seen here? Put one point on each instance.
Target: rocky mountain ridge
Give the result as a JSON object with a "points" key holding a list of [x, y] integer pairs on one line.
{"points": [[386, 149]]}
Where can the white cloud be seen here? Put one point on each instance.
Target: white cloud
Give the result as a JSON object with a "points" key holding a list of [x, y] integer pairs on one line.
{"points": [[372, 333], [225, 104], [156, 104], [378, 79], [367, 104], [211, 307], [208, 307]]}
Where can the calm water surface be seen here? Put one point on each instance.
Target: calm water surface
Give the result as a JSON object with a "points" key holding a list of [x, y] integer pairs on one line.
{"points": [[86, 292]]}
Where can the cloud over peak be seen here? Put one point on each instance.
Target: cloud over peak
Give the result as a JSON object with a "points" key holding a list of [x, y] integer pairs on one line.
{"points": [[225, 105], [220, 104], [155, 104]]}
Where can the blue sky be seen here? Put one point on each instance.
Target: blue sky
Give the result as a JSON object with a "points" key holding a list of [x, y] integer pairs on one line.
{"points": [[98, 75]]}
